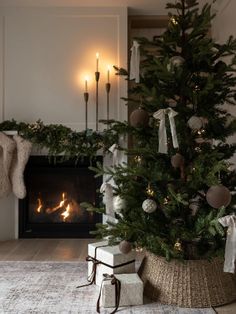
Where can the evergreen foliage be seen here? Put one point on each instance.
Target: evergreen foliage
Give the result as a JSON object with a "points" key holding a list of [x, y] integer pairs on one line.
{"points": [[201, 86]]}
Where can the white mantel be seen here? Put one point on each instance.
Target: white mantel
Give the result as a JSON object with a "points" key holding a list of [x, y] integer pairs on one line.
{"points": [[45, 54]]}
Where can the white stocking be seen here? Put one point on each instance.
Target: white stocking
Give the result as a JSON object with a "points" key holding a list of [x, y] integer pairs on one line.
{"points": [[20, 158], [7, 146]]}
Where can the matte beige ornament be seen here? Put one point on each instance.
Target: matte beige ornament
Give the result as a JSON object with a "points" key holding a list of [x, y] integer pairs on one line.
{"points": [[125, 247], [175, 62], [195, 123], [218, 196], [177, 160], [139, 118], [149, 206]]}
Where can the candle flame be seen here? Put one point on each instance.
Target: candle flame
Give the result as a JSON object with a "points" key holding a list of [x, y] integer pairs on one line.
{"points": [[108, 67], [97, 55]]}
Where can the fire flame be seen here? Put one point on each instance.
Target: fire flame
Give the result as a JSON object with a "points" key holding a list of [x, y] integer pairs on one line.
{"points": [[40, 205], [65, 207], [66, 213]]}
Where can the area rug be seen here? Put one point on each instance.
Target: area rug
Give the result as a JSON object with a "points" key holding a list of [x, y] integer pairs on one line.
{"points": [[50, 287]]}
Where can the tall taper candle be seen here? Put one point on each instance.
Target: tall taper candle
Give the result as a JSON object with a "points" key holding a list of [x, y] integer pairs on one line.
{"points": [[108, 74], [86, 98], [97, 61], [86, 84]]}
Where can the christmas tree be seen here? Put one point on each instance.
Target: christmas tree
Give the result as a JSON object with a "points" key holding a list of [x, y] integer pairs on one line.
{"points": [[177, 181]]}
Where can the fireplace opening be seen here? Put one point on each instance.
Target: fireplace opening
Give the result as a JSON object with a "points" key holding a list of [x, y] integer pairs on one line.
{"points": [[55, 191]]}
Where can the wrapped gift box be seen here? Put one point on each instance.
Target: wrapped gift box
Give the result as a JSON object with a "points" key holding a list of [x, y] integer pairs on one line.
{"points": [[131, 292], [112, 261]]}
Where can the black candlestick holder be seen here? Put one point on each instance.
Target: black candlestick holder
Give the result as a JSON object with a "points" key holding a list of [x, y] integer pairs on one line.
{"points": [[86, 98], [97, 76], [108, 88]]}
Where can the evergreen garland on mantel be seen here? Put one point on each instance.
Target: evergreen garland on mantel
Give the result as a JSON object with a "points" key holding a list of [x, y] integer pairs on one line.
{"points": [[61, 140]]}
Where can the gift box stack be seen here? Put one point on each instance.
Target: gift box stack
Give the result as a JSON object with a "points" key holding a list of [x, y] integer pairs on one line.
{"points": [[115, 273]]}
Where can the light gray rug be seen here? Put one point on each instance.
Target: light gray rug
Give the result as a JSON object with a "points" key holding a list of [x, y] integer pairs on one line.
{"points": [[50, 287]]}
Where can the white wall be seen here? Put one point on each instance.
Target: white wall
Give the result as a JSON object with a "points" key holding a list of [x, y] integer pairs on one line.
{"points": [[48, 52], [44, 55], [224, 25]]}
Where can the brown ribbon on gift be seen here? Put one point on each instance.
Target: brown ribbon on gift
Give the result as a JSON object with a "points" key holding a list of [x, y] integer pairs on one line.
{"points": [[117, 283], [92, 277]]}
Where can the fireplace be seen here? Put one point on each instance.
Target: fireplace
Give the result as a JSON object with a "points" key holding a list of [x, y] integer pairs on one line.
{"points": [[55, 191]]}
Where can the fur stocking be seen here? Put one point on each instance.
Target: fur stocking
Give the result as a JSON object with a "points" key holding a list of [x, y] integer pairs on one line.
{"points": [[20, 158], [7, 146]]}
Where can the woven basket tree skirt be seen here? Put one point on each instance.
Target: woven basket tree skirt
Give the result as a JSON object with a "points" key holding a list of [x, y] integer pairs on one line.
{"points": [[193, 283]]}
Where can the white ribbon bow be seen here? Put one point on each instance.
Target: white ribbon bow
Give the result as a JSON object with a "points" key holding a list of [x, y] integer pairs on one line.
{"points": [[114, 150], [135, 62], [107, 190], [160, 115], [230, 247]]}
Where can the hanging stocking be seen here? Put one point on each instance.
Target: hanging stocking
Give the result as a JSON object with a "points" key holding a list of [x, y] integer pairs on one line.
{"points": [[21, 156], [7, 146], [135, 62]]}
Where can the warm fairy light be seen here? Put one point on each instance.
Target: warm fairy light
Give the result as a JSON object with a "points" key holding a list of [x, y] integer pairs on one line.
{"points": [[173, 20], [138, 159], [150, 191], [166, 201], [40, 205], [178, 246]]}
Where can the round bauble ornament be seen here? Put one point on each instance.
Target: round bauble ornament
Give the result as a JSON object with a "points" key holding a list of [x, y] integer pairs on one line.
{"points": [[125, 247], [175, 62], [149, 206], [218, 196], [177, 160], [195, 123], [220, 66], [139, 118], [118, 204]]}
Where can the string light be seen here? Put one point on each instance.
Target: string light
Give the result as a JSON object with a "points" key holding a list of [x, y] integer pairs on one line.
{"points": [[173, 20], [200, 132], [178, 246], [138, 159], [196, 88], [166, 200], [197, 149], [150, 191]]}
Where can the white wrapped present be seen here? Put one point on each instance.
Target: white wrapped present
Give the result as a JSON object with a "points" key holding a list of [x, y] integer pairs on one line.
{"points": [[104, 259], [121, 290]]}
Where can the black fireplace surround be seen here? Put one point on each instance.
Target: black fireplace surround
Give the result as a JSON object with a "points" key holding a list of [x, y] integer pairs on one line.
{"points": [[55, 191]]}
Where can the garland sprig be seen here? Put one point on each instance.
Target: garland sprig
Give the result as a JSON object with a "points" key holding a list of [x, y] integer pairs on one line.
{"points": [[61, 140]]}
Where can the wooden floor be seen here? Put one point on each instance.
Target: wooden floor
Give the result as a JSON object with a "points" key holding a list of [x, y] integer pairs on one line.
{"points": [[59, 250]]}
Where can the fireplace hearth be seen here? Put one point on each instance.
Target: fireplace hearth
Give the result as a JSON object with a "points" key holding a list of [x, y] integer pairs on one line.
{"points": [[55, 191]]}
